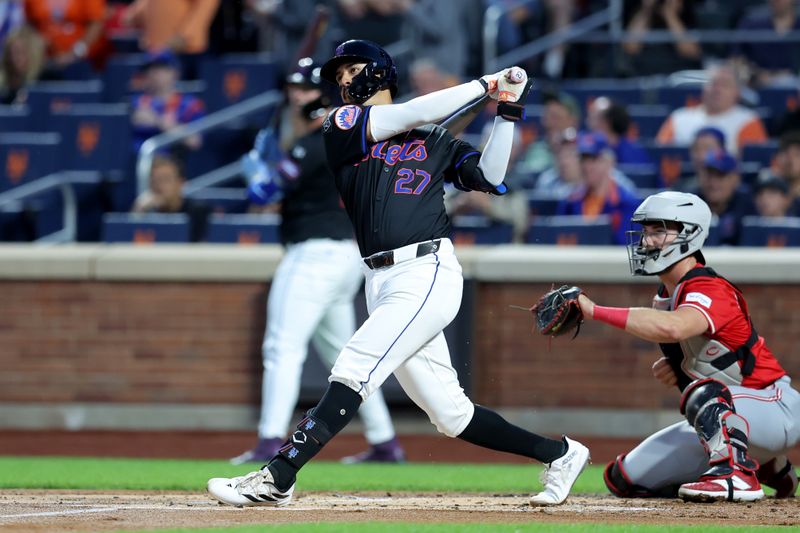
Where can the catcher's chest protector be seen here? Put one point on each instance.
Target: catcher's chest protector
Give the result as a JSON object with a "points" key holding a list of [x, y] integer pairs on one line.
{"points": [[704, 356]]}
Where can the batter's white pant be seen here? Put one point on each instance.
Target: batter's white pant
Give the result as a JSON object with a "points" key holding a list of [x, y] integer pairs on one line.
{"points": [[410, 303], [674, 455], [311, 299]]}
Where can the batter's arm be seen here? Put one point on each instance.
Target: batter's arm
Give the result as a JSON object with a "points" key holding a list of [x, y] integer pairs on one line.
{"points": [[649, 324]]}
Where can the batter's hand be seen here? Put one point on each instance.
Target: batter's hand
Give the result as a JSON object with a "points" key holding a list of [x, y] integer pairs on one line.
{"points": [[511, 84], [491, 82], [663, 372]]}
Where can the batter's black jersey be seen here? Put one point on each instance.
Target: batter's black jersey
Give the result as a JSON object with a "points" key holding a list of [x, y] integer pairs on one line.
{"points": [[393, 190], [311, 207]]}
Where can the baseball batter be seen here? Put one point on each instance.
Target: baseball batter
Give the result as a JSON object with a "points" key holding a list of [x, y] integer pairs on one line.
{"points": [[741, 410], [390, 166], [311, 297]]}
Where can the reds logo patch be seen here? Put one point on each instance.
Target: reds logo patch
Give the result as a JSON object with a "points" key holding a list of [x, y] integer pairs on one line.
{"points": [[700, 298], [346, 116]]}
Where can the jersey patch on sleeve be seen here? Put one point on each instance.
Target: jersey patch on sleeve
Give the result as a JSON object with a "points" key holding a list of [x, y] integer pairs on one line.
{"points": [[289, 169], [346, 116], [699, 298]]}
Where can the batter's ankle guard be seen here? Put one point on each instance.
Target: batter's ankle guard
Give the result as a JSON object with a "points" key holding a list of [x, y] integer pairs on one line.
{"points": [[306, 442]]}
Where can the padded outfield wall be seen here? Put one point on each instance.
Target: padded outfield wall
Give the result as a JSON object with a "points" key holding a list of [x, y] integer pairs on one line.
{"points": [[168, 337]]}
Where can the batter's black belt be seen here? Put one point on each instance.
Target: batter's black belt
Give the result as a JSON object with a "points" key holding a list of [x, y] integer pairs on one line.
{"points": [[404, 253]]}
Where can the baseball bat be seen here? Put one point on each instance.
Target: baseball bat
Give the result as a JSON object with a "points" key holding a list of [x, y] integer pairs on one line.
{"points": [[459, 120], [313, 33]]}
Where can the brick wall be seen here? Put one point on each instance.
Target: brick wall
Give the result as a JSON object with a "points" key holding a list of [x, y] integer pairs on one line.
{"points": [[126, 342]]}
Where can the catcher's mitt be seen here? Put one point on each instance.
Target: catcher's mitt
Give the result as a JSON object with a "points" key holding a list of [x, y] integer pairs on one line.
{"points": [[558, 312]]}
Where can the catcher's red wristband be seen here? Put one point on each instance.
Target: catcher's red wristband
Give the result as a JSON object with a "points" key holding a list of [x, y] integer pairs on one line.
{"points": [[616, 316]]}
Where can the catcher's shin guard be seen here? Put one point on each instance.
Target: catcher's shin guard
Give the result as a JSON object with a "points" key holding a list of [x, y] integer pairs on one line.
{"points": [[621, 485], [708, 406], [306, 441]]}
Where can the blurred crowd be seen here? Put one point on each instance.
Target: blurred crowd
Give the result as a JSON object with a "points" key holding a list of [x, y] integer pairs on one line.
{"points": [[587, 154]]}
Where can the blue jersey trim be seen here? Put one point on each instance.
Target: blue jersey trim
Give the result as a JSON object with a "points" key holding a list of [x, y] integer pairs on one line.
{"points": [[460, 161], [436, 272], [364, 130]]}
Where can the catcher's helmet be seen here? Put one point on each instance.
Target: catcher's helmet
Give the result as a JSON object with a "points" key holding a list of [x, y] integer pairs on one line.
{"points": [[379, 73], [687, 209], [305, 73]]}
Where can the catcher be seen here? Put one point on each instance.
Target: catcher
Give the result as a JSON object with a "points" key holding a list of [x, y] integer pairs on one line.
{"points": [[740, 407]]}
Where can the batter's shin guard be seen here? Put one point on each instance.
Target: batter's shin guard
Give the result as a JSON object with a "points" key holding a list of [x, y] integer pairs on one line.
{"points": [[708, 406], [307, 440], [621, 485]]}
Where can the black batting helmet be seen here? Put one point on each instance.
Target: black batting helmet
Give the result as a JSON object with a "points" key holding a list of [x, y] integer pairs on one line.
{"points": [[379, 73], [305, 73]]}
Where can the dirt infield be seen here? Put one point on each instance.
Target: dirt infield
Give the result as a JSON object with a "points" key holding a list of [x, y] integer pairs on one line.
{"points": [[37, 510]]}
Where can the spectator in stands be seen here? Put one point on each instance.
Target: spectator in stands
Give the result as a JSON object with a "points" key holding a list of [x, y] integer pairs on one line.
{"points": [[773, 198], [719, 108], [561, 111], [720, 186], [12, 16], [707, 139], [73, 31], [564, 176], [660, 58], [787, 162], [426, 76], [599, 193], [165, 195], [177, 25], [769, 64], [22, 61], [613, 121], [790, 121], [162, 107]]}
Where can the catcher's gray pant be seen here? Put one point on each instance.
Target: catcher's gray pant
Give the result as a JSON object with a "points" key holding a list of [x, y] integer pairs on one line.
{"points": [[311, 298], [675, 455], [410, 303]]}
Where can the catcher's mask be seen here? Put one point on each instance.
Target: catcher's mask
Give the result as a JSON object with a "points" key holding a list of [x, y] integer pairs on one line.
{"points": [[693, 218], [379, 72]]}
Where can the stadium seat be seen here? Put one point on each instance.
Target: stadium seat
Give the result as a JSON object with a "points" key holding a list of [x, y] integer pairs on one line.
{"points": [[223, 199], [672, 161], [244, 229], [779, 100], [236, 77], [28, 156], [644, 176], [570, 230], [646, 120], [543, 203], [771, 232], [96, 137], [675, 97], [146, 228], [760, 153], [47, 97], [15, 118], [477, 229], [586, 90]]}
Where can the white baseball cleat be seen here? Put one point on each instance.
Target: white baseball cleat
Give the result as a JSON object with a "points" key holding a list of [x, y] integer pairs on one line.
{"points": [[256, 488], [559, 476], [735, 486]]}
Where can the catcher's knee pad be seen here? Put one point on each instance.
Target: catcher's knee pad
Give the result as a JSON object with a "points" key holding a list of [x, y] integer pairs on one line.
{"points": [[702, 394], [306, 441], [620, 485]]}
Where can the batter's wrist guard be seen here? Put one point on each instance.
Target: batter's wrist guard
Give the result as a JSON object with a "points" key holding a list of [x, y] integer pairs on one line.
{"points": [[511, 111], [484, 83], [306, 442]]}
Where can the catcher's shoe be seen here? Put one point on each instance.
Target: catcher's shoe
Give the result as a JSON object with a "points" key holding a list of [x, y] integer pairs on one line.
{"points": [[559, 476], [384, 452], [783, 480], [256, 488], [723, 483], [265, 450]]}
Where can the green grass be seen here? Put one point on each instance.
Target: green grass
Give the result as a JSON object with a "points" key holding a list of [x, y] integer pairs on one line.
{"points": [[148, 474]]}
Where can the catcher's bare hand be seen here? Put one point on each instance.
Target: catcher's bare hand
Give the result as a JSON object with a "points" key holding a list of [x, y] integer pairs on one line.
{"points": [[663, 372], [558, 311]]}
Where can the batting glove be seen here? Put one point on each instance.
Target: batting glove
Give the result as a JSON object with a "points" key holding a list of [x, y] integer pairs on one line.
{"points": [[511, 84]]}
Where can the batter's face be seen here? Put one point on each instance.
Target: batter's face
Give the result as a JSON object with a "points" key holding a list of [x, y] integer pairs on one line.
{"points": [[344, 77]]}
